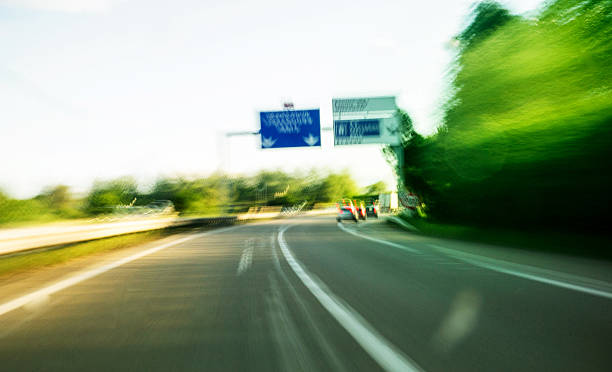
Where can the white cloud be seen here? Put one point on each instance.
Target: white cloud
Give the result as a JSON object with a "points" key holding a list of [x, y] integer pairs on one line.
{"points": [[69, 6]]}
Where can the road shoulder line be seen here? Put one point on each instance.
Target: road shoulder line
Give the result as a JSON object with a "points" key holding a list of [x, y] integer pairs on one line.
{"points": [[532, 273], [562, 280], [380, 241]]}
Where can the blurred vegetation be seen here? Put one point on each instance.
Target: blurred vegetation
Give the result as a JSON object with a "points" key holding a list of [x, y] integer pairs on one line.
{"points": [[526, 140], [376, 188], [105, 195], [52, 204], [560, 241], [213, 195]]}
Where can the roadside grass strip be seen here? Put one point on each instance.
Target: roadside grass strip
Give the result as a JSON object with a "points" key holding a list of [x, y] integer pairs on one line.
{"points": [[24, 261]]}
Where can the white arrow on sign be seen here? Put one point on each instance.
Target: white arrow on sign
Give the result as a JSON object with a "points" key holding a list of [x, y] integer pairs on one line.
{"points": [[311, 140], [268, 142]]}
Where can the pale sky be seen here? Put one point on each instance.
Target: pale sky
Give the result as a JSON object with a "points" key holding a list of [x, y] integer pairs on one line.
{"points": [[96, 89]]}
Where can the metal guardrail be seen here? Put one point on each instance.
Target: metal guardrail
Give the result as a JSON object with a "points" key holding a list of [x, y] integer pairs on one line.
{"points": [[206, 221], [30, 238], [24, 239]]}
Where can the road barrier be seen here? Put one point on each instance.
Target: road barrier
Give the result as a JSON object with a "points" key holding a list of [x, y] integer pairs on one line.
{"points": [[23, 239], [29, 238]]}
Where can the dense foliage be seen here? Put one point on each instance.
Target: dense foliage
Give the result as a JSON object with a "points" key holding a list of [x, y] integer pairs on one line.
{"points": [[52, 204], [215, 194], [108, 194], [527, 137], [220, 194]]}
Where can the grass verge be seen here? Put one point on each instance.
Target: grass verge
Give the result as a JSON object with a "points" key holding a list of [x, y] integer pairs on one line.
{"points": [[564, 242], [33, 260]]}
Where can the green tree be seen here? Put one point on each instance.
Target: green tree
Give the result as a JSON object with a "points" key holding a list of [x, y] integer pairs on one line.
{"points": [[169, 189], [527, 124], [337, 186], [488, 16], [411, 141], [207, 195], [376, 188], [57, 197], [106, 195]]}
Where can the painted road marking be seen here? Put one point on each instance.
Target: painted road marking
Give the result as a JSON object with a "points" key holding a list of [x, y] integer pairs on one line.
{"points": [[590, 286], [522, 271], [388, 356], [247, 257], [350, 231], [63, 284]]}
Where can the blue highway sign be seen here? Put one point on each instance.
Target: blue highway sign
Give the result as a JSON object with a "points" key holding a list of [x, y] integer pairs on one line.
{"points": [[350, 132], [291, 128]]}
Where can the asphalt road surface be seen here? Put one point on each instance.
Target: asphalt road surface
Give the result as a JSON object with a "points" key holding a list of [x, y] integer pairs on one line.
{"points": [[308, 294]]}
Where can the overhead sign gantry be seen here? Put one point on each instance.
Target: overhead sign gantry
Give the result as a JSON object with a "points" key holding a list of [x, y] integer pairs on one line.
{"points": [[365, 120], [290, 128]]}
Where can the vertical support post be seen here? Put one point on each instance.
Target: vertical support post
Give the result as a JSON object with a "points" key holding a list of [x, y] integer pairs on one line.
{"points": [[399, 156]]}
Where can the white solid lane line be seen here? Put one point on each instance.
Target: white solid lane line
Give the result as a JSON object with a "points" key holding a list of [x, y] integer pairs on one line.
{"points": [[532, 273], [63, 284], [590, 286], [388, 356], [380, 241]]}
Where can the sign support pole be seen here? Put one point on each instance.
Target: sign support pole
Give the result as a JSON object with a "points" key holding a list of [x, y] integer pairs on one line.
{"points": [[399, 155]]}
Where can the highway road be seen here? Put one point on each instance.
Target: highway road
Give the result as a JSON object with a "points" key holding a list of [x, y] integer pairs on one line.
{"points": [[308, 294]]}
